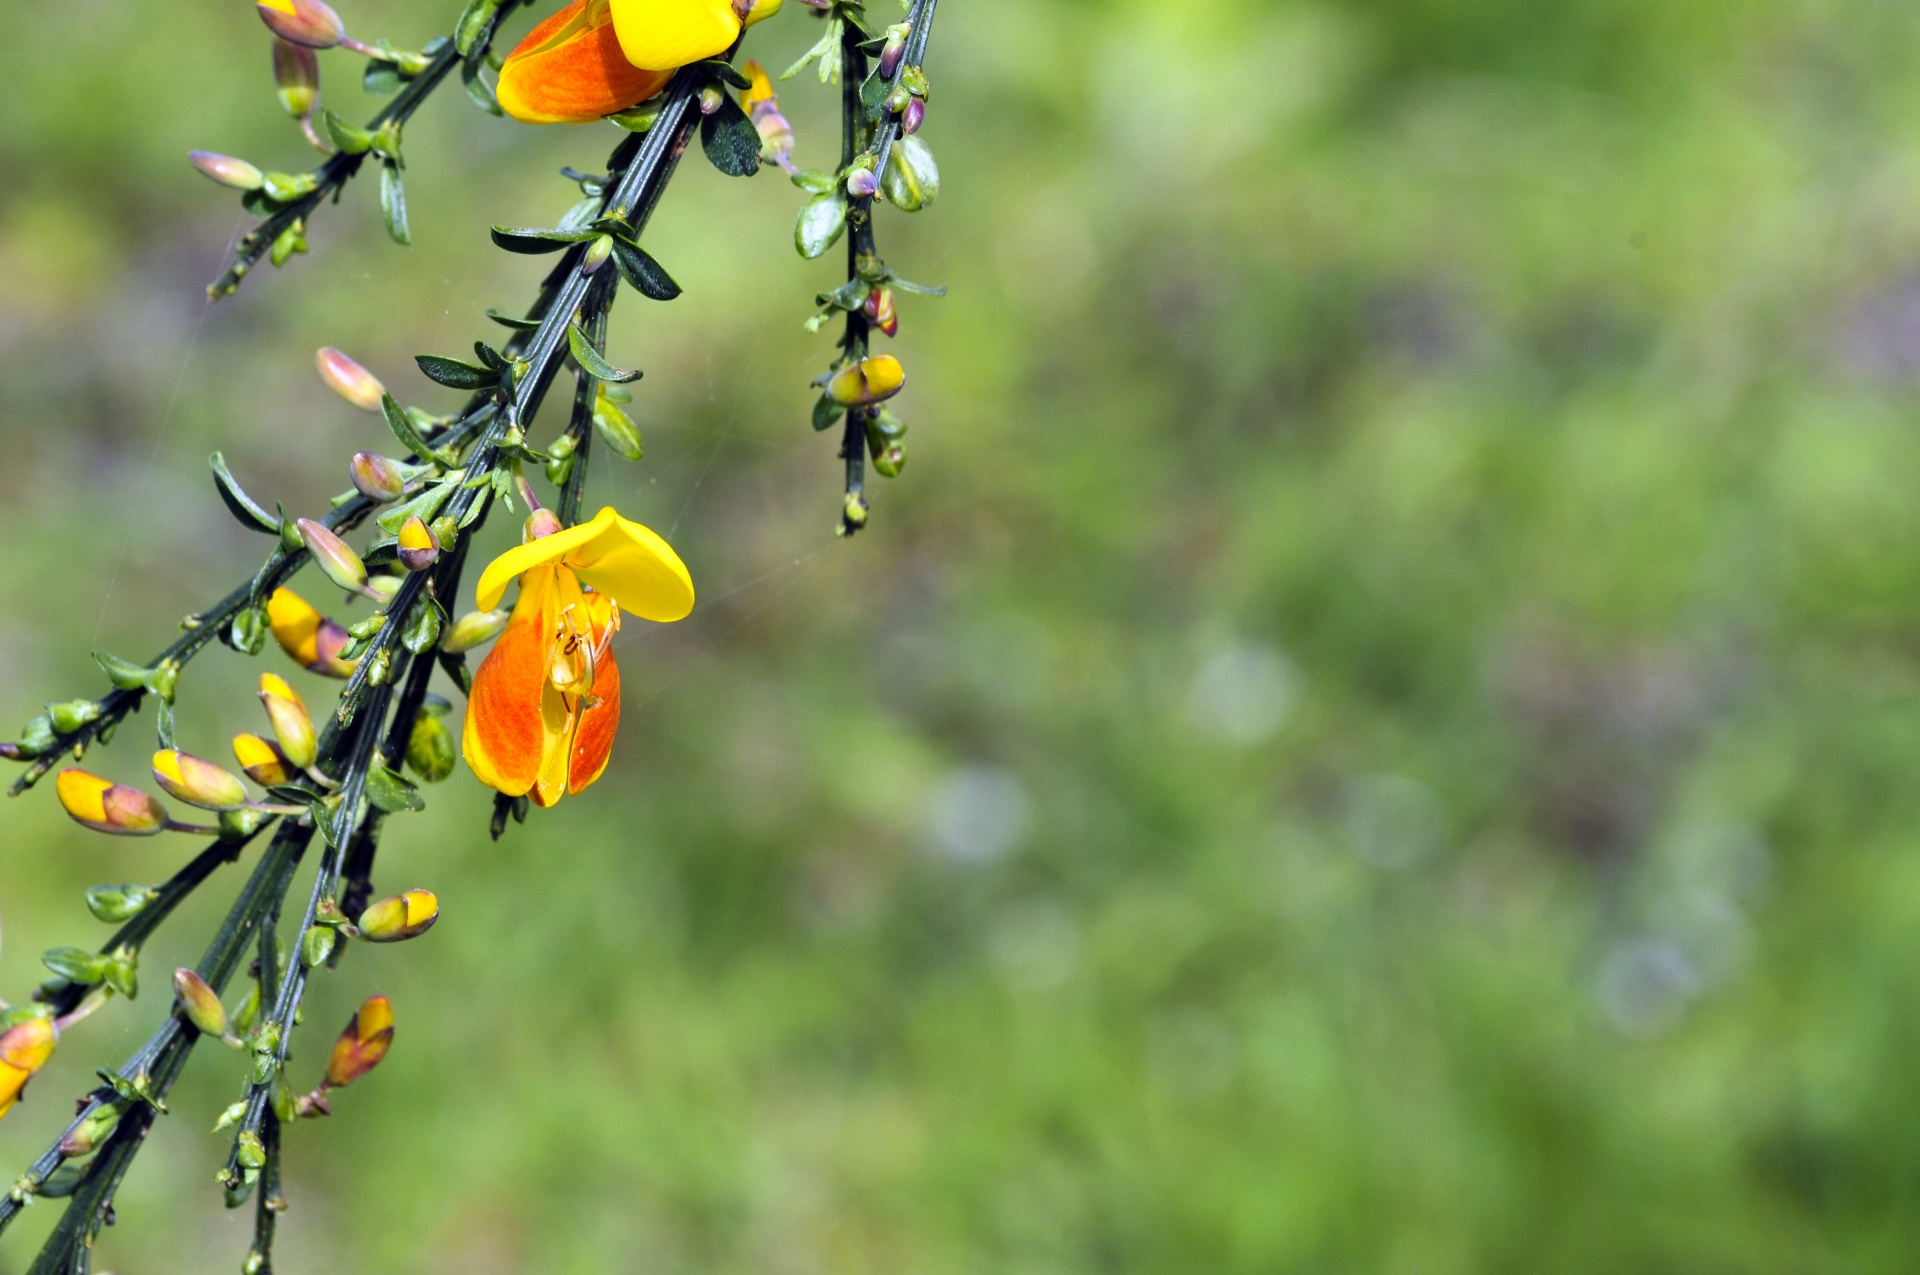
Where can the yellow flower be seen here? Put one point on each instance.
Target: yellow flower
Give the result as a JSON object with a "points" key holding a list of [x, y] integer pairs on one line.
{"points": [[24, 1049], [105, 806], [546, 702], [595, 57]]}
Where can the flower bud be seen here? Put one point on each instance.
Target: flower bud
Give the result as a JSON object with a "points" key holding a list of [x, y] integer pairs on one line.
{"points": [[227, 170], [711, 99], [336, 560], [384, 586], [913, 116], [912, 179], [597, 253], [200, 1003], [891, 460], [362, 1045], [862, 184], [25, 1047], [349, 380], [404, 916], [880, 310], [419, 547], [262, 760], [763, 108], [291, 724], [894, 49], [853, 515], [540, 524], [249, 1151], [473, 629], [867, 382], [116, 903], [430, 749], [376, 477], [238, 825], [198, 782], [316, 946], [305, 22], [105, 806], [296, 78], [85, 1137], [313, 641]]}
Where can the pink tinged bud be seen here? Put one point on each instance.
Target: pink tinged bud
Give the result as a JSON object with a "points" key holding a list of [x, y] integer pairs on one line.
{"points": [[880, 310], [913, 117], [711, 99], [349, 380], [862, 184], [404, 916], [419, 548], [894, 50], [541, 523], [198, 1001], [198, 782], [473, 629], [108, 807], [292, 725], [296, 78], [376, 477], [262, 759], [307, 22], [227, 170], [867, 382], [331, 554]]}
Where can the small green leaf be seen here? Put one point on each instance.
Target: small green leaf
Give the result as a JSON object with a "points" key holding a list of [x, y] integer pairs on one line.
{"points": [[730, 140], [617, 429], [393, 203], [826, 412], [822, 219], [592, 362], [124, 674], [380, 78], [76, 965], [815, 181], [513, 321], [648, 277], [241, 505], [351, 139], [535, 242], [424, 507], [918, 289], [455, 374], [422, 632], [478, 89], [404, 429]]}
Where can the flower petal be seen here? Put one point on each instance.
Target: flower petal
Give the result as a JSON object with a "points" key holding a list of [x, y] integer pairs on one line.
{"points": [[663, 34], [636, 568], [505, 735], [545, 551], [593, 733], [570, 69]]}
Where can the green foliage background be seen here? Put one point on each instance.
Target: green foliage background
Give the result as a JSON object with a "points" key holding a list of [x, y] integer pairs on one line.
{"points": [[1376, 732]]}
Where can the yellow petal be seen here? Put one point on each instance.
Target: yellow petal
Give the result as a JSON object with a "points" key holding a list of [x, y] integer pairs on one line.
{"points": [[636, 568], [658, 35], [295, 625], [622, 559]]}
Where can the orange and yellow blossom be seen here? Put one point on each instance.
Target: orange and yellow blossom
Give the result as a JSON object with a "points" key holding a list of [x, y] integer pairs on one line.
{"points": [[596, 57], [546, 702], [24, 1049]]}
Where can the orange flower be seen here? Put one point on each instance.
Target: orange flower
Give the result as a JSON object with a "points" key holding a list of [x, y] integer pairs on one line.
{"points": [[546, 703], [570, 69], [24, 1049]]}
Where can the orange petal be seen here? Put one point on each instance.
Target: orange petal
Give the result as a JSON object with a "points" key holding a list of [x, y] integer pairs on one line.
{"points": [[593, 736], [570, 70], [505, 734]]}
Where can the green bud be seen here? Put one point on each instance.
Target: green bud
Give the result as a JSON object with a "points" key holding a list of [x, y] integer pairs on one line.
{"points": [[376, 477], [447, 531], [200, 1003], [85, 1138], [227, 170], [248, 635], [316, 946], [912, 179], [284, 188], [473, 629], [892, 458], [238, 825], [230, 1117], [473, 24], [292, 241], [37, 736], [117, 903], [597, 253], [616, 429], [430, 750], [252, 1155], [366, 628], [72, 715]]}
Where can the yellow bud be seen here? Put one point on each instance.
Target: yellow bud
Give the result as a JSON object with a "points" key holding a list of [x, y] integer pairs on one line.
{"points": [[349, 380], [404, 916], [197, 782], [262, 759], [313, 640], [292, 725], [867, 382], [419, 548], [308, 22], [105, 806], [362, 1045]]}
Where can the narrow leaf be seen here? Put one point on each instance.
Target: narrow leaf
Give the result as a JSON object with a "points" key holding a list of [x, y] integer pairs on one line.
{"points": [[393, 204], [513, 321], [455, 374], [592, 362], [535, 242], [647, 276], [403, 427], [242, 506]]}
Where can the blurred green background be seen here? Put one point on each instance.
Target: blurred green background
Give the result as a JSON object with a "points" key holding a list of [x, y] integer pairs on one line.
{"points": [[1376, 732]]}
